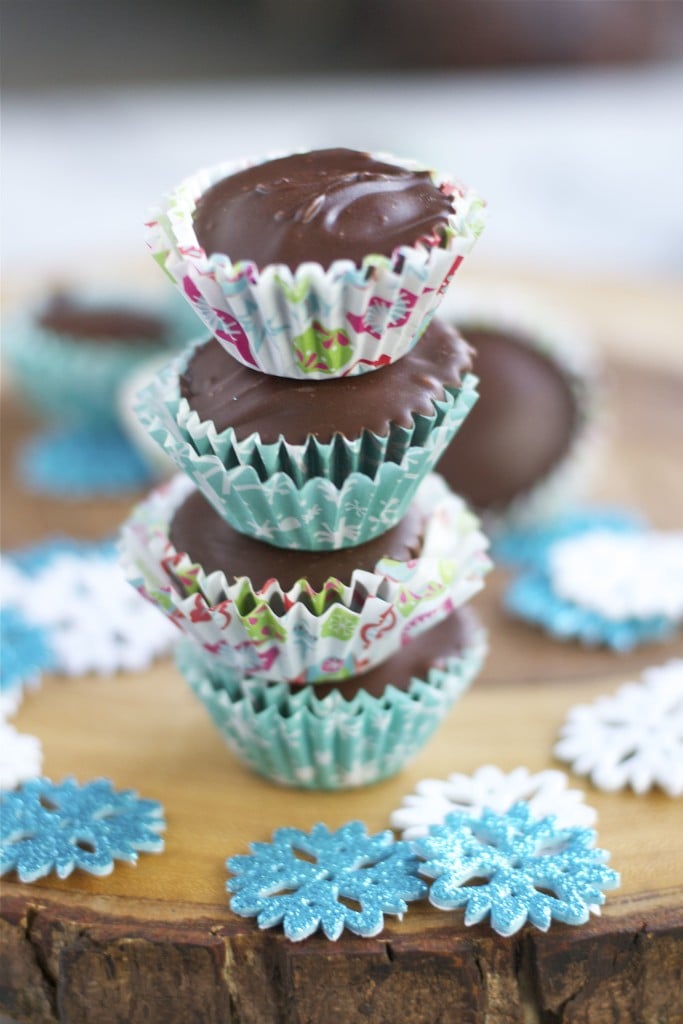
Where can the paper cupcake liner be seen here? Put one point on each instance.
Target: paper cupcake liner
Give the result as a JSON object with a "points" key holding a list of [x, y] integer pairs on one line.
{"points": [[296, 738], [304, 635], [75, 380], [566, 344], [313, 496], [205, 453], [311, 323]]}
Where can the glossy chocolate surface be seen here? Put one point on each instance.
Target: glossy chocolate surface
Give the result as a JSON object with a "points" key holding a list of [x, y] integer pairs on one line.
{"points": [[428, 650], [321, 206], [519, 429], [64, 315], [221, 389], [199, 531]]}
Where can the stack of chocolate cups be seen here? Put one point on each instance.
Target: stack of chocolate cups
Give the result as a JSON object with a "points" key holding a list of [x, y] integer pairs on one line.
{"points": [[317, 567]]}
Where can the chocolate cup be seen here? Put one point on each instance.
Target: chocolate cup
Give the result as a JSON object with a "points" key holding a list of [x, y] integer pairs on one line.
{"points": [[521, 427], [319, 207]]}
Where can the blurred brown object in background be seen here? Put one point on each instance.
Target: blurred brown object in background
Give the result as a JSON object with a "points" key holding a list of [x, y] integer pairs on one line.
{"points": [[499, 33], [147, 40]]}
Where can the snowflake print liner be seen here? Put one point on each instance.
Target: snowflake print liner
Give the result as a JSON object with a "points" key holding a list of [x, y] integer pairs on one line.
{"points": [[294, 738], [304, 635], [316, 496], [515, 868], [637, 575], [633, 738], [544, 792], [47, 826], [311, 323], [325, 879]]}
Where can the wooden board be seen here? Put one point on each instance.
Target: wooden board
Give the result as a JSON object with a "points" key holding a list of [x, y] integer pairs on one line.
{"points": [[159, 943]]}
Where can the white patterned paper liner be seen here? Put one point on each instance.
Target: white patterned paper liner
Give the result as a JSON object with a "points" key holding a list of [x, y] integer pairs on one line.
{"points": [[295, 738], [312, 323], [558, 338], [304, 635], [637, 575]]}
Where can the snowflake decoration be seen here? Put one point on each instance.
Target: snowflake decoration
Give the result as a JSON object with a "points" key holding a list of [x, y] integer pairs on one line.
{"points": [[529, 547], [79, 462], [26, 650], [47, 826], [544, 792], [531, 597], [634, 738], [91, 619], [334, 880], [520, 869], [21, 756], [621, 575]]}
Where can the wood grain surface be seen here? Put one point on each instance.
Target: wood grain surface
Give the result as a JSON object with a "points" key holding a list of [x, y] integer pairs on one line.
{"points": [[159, 943]]}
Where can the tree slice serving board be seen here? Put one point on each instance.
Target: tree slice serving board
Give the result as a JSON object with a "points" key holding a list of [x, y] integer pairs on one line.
{"points": [[158, 943]]}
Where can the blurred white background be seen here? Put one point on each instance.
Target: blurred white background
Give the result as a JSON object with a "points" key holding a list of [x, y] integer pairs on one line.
{"points": [[564, 114], [581, 168]]}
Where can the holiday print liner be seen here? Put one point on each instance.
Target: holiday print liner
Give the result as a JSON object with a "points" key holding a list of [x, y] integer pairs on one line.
{"points": [[296, 738], [205, 453], [312, 323], [304, 635], [76, 380], [559, 339]]}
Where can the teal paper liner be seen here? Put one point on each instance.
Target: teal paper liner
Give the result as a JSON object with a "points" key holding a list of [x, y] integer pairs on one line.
{"points": [[343, 495], [294, 738]]}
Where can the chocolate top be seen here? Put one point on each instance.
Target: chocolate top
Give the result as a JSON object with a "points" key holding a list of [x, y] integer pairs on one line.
{"points": [[199, 531], [64, 315], [429, 649], [322, 206], [519, 429], [221, 389]]}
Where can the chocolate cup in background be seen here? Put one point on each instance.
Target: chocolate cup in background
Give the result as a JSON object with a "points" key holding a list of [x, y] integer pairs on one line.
{"points": [[312, 323], [68, 357], [530, 445]]}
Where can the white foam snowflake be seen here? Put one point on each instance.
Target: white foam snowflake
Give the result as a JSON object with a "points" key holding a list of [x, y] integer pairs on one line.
{"points": [[621, 575], [544, 792], [633, 738], [96, 621], [21, 756]]}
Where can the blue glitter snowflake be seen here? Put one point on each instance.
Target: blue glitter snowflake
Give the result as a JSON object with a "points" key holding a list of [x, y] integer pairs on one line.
{"points": [[36, 557], [334, 880], [79, 462], [528, 547], [26, 650], [518, 869], [531, 597], [47, 826]]}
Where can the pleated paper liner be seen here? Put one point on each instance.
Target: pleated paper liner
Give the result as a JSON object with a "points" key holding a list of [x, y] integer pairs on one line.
{"points": [[295, 738], [303, 634], [312, 323]]}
